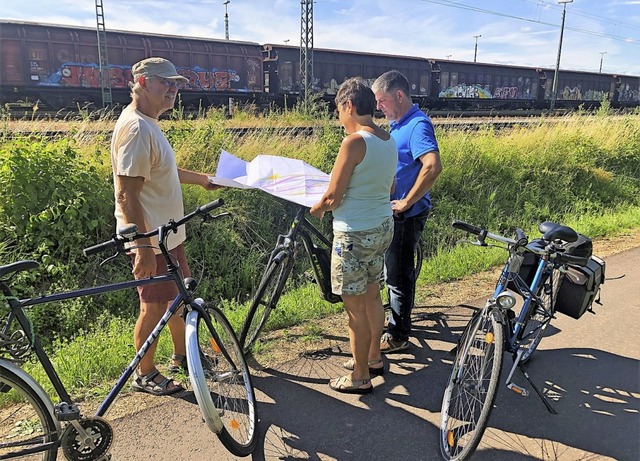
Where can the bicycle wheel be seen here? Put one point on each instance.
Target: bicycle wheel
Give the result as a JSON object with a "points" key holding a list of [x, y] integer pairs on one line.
{"points": [[417, 259], [27, 424], [473, 384], [265, 300], [535, 327], [221, 381]]}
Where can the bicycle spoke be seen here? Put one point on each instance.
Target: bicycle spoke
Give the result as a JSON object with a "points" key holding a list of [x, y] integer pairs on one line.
{"points": [[472, 388], [221, 382], [25, 423]]}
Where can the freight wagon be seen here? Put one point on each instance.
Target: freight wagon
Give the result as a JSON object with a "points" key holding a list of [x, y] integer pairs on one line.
{"points": [[332, 67], [59, 66], [465, 86]]}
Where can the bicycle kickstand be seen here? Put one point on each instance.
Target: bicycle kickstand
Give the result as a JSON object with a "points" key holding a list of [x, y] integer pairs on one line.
{"points": [[540, 394], [510, 384]]}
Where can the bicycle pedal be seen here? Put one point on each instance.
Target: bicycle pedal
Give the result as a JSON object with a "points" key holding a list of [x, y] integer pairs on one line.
{"points": [[518, 390]]}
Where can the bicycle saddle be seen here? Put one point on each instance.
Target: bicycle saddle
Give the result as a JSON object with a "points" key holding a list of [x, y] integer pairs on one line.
{"points": [[553, 231], [17, 267]]}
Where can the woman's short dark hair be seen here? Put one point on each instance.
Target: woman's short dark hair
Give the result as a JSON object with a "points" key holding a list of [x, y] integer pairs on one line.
{"points": [[356, 90]]}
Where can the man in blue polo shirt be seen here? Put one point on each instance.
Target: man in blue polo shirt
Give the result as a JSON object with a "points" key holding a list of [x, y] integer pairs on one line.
{"points": [[418, 167]]}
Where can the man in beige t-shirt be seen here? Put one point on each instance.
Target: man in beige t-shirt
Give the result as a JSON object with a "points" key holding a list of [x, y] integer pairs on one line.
{"points": [[148, 193]]}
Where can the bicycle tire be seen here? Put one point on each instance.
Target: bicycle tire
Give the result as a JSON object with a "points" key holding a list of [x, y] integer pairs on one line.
{"points": [[472, 387], [417, 259], [26, 421], [265, 300], [221, 380], [535, 327]]}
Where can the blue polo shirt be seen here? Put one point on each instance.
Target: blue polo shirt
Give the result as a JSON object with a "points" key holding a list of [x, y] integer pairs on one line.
{"points": [[415, 136]]}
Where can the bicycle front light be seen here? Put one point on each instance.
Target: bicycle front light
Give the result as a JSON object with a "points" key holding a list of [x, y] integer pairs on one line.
{"points": [[506, 300]]}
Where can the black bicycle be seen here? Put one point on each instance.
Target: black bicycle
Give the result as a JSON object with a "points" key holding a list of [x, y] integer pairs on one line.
{"points": [[535, 271], [219, 376], [279, 266]]}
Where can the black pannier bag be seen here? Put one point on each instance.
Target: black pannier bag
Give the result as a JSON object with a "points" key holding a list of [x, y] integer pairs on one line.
{"points": [[581, 247], [579, 287], [529, 266]]}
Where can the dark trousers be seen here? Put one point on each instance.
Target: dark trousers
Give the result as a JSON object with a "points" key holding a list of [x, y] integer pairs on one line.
{"points": [[400, 275]]}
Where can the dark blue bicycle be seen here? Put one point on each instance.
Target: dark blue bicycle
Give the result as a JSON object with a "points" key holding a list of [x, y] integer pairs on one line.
{"points": [[219, 376]]}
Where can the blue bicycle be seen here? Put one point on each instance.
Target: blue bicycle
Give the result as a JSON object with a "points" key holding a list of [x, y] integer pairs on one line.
{"points": [[539, 273]]}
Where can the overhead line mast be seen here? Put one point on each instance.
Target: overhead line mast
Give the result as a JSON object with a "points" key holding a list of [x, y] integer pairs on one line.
{"points": [[103, 57], [306, 50]]}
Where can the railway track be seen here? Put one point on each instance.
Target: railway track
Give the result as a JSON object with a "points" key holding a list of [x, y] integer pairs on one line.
{"points": [[64, 128]]}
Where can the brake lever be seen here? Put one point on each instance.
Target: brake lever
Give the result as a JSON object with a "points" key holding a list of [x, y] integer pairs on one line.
{"points": [[476, 242], [109, 259], [207, 217]]}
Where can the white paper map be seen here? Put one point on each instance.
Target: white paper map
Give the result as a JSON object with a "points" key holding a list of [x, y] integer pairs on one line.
{"points": [[287, 178]]}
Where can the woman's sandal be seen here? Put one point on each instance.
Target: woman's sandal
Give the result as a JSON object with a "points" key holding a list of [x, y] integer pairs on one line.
{"points": [[347, 385], [378, 371], [181, 368], [146, 383]]}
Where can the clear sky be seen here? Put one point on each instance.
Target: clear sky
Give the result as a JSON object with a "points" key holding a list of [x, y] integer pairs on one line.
{"points": [[520, 32]]}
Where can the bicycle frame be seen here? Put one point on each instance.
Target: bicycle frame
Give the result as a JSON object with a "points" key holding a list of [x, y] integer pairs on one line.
{"points": [[183, 298], [302, 229], [514, 332], [66, 409]]}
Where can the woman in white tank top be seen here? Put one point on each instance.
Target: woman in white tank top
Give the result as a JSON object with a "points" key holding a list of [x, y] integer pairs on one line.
{"points": [[358, 195]]}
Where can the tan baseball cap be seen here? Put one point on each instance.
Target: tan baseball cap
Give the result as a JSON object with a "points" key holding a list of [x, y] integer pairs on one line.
{"points": [[156, 66]]}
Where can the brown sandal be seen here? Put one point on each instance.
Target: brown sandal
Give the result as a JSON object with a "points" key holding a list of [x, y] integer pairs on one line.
{"points": [[347, 385], [146, 383], [378, 371]]}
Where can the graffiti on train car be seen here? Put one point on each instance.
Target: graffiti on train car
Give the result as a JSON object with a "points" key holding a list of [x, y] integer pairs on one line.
{"points": [[577, 94], [484, 92], [83, 75], [628, 94], [466, 91]]}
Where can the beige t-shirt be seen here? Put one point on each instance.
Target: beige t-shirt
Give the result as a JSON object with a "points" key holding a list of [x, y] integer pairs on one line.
{"points": [[139, 148]]}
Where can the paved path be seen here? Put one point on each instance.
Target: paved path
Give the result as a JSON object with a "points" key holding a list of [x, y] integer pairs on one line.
{"points": [[589, 368]]}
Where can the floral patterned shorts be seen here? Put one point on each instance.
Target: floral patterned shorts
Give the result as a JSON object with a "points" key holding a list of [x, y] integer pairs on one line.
{"points": [[357, 258]]}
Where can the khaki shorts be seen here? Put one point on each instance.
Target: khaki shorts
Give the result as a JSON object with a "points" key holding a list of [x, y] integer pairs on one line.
{"points": [[357, 258]]}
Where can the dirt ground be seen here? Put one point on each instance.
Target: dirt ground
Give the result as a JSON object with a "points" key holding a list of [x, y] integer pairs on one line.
{"points": [[285, 345]]}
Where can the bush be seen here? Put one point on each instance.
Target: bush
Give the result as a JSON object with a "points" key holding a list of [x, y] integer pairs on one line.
{"points": [[55, 204]]}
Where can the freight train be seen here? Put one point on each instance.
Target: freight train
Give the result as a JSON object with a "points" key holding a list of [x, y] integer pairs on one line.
{"points": [[57, 67]]}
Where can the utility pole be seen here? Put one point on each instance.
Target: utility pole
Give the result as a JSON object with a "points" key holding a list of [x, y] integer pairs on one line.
{"points": [[602, 53], [475, 51], [554, 89], [103, 56], [306, 50], [226, 19]]}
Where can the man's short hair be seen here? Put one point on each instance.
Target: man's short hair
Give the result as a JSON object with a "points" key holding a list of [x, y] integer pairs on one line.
{"points": [[392, 81]]}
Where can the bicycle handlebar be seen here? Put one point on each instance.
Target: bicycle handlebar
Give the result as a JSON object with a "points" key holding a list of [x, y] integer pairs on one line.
{"points": [[100, 247], [119, 239], [483, 233], [549, 248]]}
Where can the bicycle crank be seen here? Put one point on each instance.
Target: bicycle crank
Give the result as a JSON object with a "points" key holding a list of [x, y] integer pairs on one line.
{"points": [[87, 439]]}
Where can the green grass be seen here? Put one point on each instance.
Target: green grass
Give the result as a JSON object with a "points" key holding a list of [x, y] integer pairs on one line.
{"points": [[581, 170], [454, 262]]}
